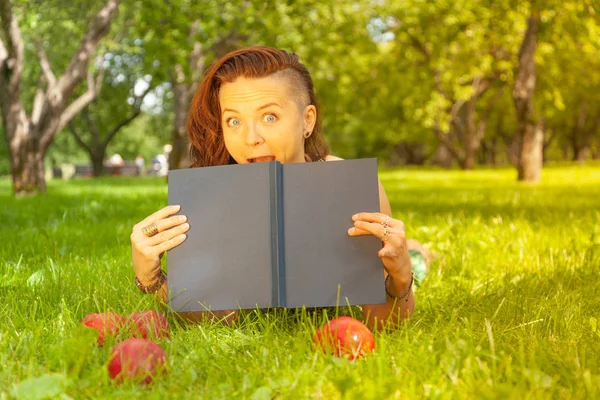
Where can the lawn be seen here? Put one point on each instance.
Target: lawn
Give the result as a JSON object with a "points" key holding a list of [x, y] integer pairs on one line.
{"points": [[511, 309]]}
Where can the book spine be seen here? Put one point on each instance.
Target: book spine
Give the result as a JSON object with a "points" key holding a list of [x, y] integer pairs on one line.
{"points": [[278, 293]]}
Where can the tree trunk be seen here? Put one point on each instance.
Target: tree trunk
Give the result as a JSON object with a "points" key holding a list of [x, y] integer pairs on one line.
{"points": [[471, 139], [547, 143], [27, 167], [531, 154], [565, 153], [26, 157], [583, 154], [512, 150], [468, 130], [462, 127], [184, 87], [583, 135], [97, 149], [405, 153], [442, 157], [97, 156], [488, 151], [29, 136], [180, 155], [468, 163], [529, 130], [578, 133], [493, 151]]}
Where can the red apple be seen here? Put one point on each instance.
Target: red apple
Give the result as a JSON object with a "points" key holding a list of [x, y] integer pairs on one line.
{"points": [[345, 337], [137, 360], [107, 324], [149, 324]]}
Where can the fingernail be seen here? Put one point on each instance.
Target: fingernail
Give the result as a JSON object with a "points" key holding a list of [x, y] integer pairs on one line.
{"points": [[185, 226], [351, 231], [176, 206], [182, 218], [357, 223], [355, 216]]}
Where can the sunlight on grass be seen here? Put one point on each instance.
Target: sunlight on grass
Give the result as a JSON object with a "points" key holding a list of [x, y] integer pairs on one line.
{"points": [[507, 311]]}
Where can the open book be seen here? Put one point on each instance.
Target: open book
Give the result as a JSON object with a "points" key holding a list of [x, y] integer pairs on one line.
{"points": [[275, 235]]}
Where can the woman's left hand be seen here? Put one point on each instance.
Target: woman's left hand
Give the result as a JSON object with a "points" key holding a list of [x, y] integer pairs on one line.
{"points": [[390, 231]]}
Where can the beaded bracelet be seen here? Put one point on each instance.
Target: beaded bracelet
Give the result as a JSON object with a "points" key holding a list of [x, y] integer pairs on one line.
{"points": [[162, 277], [405, 295]]}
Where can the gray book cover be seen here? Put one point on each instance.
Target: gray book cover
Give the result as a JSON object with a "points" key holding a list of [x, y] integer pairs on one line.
{"points": [[275, 235]]}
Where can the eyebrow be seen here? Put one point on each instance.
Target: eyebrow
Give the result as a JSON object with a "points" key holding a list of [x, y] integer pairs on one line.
{"points": [[258, 109]]}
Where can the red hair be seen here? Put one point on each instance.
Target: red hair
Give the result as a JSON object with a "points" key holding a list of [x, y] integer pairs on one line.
{"points": [[204, 118]]}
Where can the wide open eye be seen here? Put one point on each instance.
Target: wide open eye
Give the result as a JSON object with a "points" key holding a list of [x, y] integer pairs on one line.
{"points": [[233, 122], [270, 118]]}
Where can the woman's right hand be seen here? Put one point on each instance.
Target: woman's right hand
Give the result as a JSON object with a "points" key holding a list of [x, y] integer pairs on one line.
{"points": [[147, 251]]}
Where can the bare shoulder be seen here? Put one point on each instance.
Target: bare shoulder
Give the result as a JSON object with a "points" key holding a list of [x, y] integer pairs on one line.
{"points": [[384, 203]]}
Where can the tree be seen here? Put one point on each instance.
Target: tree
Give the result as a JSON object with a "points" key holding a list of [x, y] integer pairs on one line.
{"points": [[530, 134], [100, 134], [568, 78], [183, 36], [30, 134], [456, 58], [185, 78]]}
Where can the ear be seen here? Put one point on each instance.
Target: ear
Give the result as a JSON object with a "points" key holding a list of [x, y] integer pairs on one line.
{"points": [[310, 118]]}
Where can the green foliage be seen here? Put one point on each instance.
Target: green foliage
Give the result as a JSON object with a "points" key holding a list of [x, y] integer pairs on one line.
{"points": [[385, 72], [55, 26], [569, 65], [509, 309], [146, 136]]}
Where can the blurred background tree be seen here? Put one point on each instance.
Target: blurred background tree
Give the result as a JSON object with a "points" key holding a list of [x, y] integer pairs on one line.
{"points": [[453, 83], [39, 72]]}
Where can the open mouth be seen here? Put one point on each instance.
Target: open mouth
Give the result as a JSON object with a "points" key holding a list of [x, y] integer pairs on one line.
{"points": [[261, 159]]}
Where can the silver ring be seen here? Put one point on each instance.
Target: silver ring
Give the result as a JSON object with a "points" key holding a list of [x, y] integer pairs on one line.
{"points": [[387, 219], [385, 236], [150, 230]]}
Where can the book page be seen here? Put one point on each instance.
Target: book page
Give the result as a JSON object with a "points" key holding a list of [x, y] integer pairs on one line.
{"points": [[225, 262], [319, 200]]}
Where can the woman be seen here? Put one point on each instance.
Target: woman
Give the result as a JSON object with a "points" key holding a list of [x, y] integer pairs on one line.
{"points": [[258, 105]]}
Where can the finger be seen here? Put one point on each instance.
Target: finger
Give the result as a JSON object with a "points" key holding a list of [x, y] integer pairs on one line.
{"points": [[170, 244], [395, 237], [167, 234], [160, 214], [388, 252], [378, 218], [358, 232], [371, 227], [163, 225]]}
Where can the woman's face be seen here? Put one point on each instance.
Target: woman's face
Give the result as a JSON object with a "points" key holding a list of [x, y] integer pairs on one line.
{"points": [[264, 119]]}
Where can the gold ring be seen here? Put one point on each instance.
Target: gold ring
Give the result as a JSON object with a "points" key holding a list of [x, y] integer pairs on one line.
{"points": [[387, 219], [385, 236], [150, 230]]}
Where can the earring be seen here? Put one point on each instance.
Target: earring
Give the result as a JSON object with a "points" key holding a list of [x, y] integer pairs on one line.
{"points": [[307, 134]]}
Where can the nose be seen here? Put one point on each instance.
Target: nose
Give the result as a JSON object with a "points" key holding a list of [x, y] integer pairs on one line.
{"points": [[253, 137]]}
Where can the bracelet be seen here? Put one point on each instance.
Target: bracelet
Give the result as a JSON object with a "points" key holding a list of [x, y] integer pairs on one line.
{"points": [[405, 295], [162, 278]]}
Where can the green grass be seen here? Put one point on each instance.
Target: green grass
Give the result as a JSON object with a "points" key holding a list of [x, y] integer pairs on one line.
{"points": [[507, 311]]}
